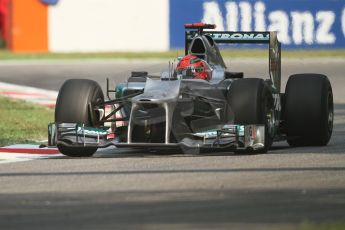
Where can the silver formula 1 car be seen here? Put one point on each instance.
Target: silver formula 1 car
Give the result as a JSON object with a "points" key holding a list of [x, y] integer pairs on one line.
{"points": [[173, 110]]}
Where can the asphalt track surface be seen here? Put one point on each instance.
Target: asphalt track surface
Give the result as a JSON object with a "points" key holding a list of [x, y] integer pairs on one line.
{"points": [[126, 189]]}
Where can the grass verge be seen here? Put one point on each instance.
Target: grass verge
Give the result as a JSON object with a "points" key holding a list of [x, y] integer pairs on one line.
{"points": [[227, 53], [22, 122], [322, 226]]}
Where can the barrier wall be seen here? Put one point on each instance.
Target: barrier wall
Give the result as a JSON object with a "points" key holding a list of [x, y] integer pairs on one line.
{"points": [[28, 28], [87, 25], [109, 25], [157, 25]]}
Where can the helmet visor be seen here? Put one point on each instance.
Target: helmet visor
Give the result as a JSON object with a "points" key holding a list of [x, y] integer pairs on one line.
{"points": [[189, 71]]}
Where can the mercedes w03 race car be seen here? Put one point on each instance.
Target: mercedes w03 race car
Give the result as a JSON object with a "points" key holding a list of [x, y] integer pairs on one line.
{"points": [[199, 104]]}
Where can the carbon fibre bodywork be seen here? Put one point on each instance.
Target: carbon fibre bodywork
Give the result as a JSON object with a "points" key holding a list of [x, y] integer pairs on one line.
{"points": [[167, 111]]}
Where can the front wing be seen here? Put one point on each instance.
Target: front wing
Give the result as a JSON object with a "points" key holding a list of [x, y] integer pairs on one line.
{"points": [[229, 137]]}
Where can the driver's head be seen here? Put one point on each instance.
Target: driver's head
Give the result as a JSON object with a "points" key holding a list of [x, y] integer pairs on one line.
{"points": [[191, 66]]}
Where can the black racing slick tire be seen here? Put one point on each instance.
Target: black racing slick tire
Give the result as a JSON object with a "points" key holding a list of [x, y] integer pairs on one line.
{"points": [[252, 103], [72, 106], [308, 110]]}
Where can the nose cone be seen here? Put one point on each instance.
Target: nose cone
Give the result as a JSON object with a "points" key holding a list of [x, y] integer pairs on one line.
{"points": [[159, 91]]}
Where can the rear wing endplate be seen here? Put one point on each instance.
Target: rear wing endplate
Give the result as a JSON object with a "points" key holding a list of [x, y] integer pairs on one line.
{"points": [[226, 37]]}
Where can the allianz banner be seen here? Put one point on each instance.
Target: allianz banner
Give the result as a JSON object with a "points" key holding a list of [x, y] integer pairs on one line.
{"points": [[300, 23]]}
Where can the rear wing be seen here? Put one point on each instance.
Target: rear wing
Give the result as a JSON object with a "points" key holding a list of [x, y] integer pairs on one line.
{"points": [[226, 37]]}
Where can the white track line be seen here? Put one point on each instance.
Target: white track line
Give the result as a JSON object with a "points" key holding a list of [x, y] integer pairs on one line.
{"points": [[30, 94], [6, 158], [24, 152]]}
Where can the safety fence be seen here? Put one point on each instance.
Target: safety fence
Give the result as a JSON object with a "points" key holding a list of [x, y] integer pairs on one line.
{"points": [[157, 25]]}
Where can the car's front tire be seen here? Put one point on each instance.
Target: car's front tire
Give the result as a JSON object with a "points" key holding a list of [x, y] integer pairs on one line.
{"points": [[252, 103], [72, 106]]}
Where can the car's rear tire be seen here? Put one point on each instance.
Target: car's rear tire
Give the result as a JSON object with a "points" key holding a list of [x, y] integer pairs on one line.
{"points": [[252, 103], [308, 110], [72, 106]]}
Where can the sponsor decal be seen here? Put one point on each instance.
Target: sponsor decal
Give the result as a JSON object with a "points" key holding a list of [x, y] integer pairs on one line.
{"points": [[240, 36], [91, 131], [309, 24]]}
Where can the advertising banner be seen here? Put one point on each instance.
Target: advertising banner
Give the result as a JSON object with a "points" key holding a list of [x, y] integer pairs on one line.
{"points": [[50, 2], [311, 24]]}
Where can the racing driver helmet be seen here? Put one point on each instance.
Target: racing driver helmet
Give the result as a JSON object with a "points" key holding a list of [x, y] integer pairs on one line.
{"points": [[191, 66]]}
